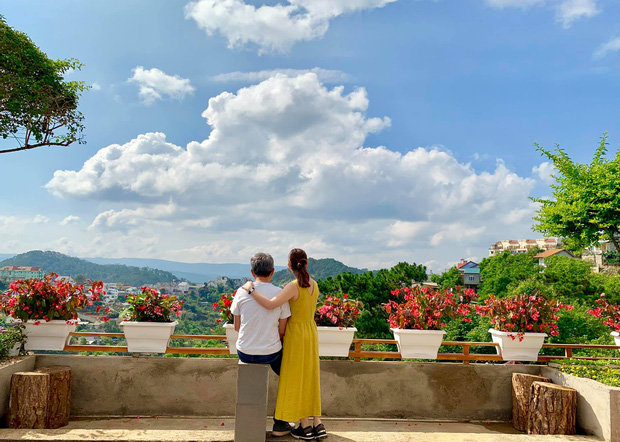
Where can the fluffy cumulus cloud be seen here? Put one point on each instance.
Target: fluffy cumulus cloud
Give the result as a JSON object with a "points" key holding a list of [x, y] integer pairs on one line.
{"points": [[567, 11], [286, 164], [71, 219], [155, 84], [272, 27], [324, 75], [612, 45]]}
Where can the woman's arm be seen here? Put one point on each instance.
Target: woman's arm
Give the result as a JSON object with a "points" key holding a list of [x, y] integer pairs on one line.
{"points": [[285, 294]]}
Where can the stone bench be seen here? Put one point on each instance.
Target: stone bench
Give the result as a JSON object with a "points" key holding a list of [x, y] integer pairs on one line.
{"points": [[251, 409]]}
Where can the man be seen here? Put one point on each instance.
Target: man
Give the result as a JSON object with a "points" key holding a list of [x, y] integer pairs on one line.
{"points": [[261, 330]]}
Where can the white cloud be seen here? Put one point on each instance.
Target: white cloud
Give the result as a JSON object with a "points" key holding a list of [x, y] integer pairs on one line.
{"points": [[545, 170], [71, 219], [324, 75], [272, 27], [95, 86], [154, 84], [612, 45], [567, 11], [40, 219], [285, 165], [571, 10]]}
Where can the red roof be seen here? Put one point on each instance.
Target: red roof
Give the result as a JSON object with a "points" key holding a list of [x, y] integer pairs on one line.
{"points": [[550, 252], [531, 241], [551, 240], [30, 269]]}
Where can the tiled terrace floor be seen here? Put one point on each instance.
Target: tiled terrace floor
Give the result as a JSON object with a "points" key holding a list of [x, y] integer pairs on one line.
{"points": [[212, 430]]}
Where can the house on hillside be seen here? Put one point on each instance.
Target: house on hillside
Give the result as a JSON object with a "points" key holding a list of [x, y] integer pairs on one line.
{"points": [[470, 271], [517, 246], [21, 272], [553, 252]]}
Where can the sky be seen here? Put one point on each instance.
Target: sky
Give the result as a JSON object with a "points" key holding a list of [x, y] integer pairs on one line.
{"points": [[369, 131]]}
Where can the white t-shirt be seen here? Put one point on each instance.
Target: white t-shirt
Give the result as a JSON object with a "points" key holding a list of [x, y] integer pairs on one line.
{"points": [[258, 334]]}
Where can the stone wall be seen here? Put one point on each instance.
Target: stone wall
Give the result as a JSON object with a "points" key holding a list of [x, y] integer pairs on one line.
{"points": [[112, 385]]}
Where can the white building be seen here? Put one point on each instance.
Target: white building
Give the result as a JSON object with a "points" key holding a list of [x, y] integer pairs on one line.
{"points": [[516, 246], [183, 287]]}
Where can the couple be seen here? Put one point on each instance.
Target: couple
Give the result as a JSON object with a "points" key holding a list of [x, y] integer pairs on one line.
{"points": [[264, 315]]}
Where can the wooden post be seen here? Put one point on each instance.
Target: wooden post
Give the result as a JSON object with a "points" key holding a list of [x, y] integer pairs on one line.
{"points": [[553, 409], [59, 407], [28, 400], [40, 399], [521, 391]]}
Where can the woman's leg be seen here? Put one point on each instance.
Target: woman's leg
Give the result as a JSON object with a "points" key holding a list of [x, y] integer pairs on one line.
{"points": [[316, 420], [304, 422]]}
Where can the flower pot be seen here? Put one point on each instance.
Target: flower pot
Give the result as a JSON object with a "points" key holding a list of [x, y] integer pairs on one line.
{"points": [[48, 335], [14, 351], [512, 348], [335, 341], [616, 336], [231, 338], [418, 344], [147, 337]]}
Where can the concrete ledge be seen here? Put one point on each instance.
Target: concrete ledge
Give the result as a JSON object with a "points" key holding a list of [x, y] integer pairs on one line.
{"points": [[252, 386], [598, 405], [22, 363]]}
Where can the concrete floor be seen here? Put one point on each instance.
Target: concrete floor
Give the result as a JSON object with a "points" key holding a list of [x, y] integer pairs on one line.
{"points": [[216, 430]]}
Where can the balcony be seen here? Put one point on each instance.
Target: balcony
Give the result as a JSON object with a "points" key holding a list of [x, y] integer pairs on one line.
{"points": [[119, 397]]}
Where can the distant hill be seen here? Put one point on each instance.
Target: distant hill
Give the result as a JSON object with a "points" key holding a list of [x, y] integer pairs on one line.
{"points": [[70, 266], [319, 269], [193, 272]]}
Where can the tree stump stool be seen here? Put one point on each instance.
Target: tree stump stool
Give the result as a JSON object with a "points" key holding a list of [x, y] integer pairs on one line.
{"points": [[40, 399], [553, 409], [521, 391]]}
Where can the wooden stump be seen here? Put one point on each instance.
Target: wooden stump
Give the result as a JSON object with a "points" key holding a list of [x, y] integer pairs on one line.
{"points": [[40, 399], [59, 404], [28, 400], [553, 409], [521, 391]]}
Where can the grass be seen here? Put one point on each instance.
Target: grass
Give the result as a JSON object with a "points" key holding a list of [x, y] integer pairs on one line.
{"points": [[605, 372]]}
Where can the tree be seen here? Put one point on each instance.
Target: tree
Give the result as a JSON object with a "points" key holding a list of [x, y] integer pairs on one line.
{"points": [[448, 279], [500, 271], [37, 107], [586, 199]]}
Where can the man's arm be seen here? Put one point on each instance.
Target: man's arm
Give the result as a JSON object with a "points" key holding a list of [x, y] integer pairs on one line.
{"points": [[282, 327], [237, 322]]}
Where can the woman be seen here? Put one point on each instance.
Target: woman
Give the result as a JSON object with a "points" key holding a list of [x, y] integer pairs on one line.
{"points": [[299, 390]]}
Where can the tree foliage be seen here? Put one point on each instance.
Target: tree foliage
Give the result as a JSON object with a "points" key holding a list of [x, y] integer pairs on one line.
{"points": [[448, 279], [586, 199], [500, 271], [37, 107], [373, 289]]}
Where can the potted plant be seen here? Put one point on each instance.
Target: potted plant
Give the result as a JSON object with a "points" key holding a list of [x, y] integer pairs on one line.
{"points": [[147, 322], [521, 323], [47, 307], [335, 320], [11, 341], [610, 314], [420, 313], [223, 306]]}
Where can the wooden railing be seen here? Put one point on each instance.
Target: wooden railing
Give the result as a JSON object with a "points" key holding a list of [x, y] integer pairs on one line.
{"points": [[357, 354]]}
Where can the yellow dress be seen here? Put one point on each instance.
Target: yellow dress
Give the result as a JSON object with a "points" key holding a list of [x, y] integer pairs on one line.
{"points": [[299, 389]]}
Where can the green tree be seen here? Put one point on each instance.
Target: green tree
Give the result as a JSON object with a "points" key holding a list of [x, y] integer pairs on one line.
{"points": [[586, 199], [500, 271], [448, 279], [80, 279], [37, 107]]}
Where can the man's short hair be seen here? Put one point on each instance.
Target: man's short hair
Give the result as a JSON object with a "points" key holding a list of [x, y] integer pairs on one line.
{"points": [[262, 264]]}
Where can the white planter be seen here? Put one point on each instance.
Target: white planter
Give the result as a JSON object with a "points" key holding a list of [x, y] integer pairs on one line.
{"points": [[515, 349], [616, 336], [50, 335], [231, 338], [418, 344], [15, 350], [335, 341], [147, 337]]}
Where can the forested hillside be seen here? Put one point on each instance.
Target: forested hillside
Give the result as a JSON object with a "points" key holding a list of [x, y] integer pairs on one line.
{"points": [[319, 269], [70, 266]]}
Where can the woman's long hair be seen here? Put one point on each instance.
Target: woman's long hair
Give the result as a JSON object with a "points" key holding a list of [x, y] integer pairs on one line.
{"points": [[298, 260]]}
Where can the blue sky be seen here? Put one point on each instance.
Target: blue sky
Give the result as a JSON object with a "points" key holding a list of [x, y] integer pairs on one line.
{"points": [[371, 131]]}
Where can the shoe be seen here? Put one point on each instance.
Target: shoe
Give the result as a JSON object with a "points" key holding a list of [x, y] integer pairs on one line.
{"points": [[280, 428], [319, 432], [303, 433]]}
